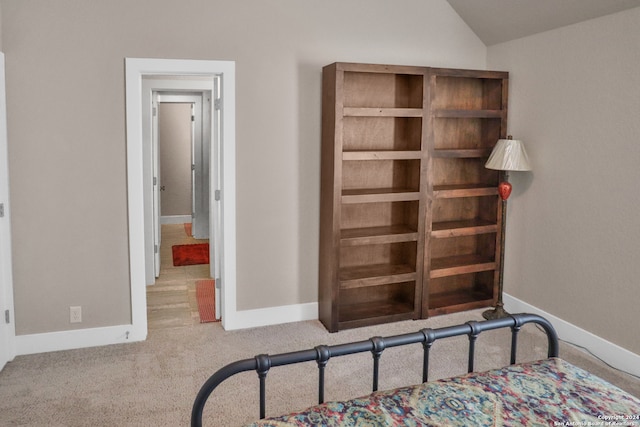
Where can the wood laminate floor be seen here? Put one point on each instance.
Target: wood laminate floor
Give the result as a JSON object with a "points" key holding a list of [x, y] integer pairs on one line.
{"points": [[171, 301]]}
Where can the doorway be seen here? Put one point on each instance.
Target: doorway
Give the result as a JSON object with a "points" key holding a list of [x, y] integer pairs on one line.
{"points": [[176, 146], [198, 92], [190, 74], [181, 141]]}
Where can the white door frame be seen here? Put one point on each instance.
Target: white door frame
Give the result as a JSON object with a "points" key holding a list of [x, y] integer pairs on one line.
{"points": [[136, 68], [155, 164], [7, 329], [160, 97], [152, 87], [201, 143]]}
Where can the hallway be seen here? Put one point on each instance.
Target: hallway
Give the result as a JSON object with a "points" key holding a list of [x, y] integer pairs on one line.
{"points": [[171, 301]]}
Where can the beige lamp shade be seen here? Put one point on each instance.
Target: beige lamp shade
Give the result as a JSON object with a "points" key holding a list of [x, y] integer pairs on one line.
{"points": [[508, 155]]}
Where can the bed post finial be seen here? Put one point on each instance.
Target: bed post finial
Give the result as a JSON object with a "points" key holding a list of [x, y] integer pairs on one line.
{"points": [[376, 352], [323, 354], [473, 335], [263, 364], [429, 338]]}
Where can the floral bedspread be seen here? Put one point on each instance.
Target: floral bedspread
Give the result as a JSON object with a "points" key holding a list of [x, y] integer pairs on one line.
{"points": [[549, 392]]}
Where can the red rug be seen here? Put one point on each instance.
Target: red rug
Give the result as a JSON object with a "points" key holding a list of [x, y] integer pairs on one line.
{"points": [[190, 254], [206, 297]]}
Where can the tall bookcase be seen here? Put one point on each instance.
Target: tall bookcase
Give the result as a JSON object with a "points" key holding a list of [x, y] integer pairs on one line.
{"points": [[468, 113], [409, 215]]}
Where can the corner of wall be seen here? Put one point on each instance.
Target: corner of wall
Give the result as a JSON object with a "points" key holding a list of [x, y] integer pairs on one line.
{"points": [[616, 356]]}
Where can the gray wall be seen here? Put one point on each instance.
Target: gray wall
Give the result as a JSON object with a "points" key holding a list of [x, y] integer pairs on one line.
{"points": [[66, 124], [573, 239], [174, 141]]}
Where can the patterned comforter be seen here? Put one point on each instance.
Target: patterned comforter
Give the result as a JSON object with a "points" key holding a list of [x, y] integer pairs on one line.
{"points": [[549, 392]]}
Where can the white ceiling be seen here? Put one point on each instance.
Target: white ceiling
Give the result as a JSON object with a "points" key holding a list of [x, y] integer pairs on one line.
{"points": [[497, 21]]}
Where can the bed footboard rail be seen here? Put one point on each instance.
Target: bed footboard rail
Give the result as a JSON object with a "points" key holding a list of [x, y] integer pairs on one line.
{"points": [[321, 354]]}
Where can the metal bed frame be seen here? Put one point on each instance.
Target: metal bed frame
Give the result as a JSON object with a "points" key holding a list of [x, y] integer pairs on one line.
{"points": [[376, 345]]}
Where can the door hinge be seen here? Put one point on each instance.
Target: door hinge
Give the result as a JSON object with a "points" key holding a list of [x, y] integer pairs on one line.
{"points": [[155, 180], [193, 215], [155, 249], [218, 283], [155, 111], [193, 167], [193, 118], [216, 195], [217, 103], [7, 317], [1, 210]]}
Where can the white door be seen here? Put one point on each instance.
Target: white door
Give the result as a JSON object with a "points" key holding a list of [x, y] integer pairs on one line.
{"points": [[7, 328], [215, 179], [157, 235], [200, 143]]}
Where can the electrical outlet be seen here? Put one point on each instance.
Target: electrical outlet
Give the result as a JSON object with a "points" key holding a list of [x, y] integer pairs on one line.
{"points": [[75, 314]]}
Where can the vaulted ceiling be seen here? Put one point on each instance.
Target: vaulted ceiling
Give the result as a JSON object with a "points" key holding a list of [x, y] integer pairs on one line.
{"points": [[497, 21]]}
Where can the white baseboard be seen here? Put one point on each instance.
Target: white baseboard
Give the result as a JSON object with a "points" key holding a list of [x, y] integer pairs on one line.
{"points": [[175, 219], [611, 353], [272, 316], [94, 337], [78, 338]]}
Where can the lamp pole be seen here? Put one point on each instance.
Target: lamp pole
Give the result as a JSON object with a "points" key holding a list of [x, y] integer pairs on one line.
{"points": [[504, 189], [507, 155]]}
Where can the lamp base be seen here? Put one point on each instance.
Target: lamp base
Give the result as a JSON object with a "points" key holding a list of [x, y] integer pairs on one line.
{"points": [[497, 313]]}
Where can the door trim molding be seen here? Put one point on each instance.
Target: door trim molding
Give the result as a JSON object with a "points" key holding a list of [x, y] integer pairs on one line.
{"points": [[136, 68], [8, 337]]}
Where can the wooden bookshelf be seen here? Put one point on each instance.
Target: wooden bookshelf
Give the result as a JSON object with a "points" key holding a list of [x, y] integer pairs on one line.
{"points": [[409, 215], [469, 115]]}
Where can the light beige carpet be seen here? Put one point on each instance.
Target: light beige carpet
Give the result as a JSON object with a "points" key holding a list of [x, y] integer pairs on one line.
{"points": [[153, 383]]}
